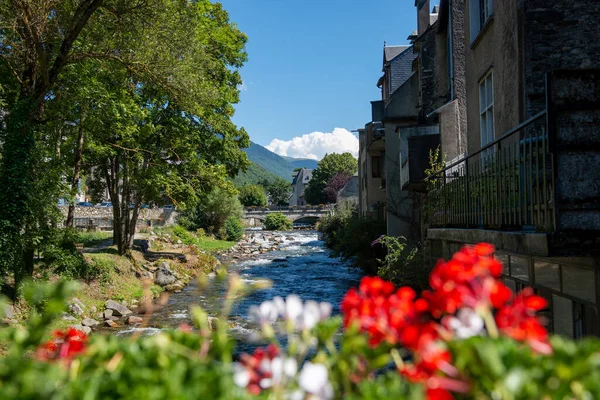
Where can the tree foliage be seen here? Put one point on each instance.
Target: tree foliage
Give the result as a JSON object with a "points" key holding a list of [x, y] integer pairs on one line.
{"points": [[334, 185], [253, 196], [329, 166], [212, 211], [141, 90], [279, 192]]}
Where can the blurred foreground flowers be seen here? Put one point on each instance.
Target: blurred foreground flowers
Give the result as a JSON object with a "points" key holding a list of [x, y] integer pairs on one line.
{"points": [[467, 336]]}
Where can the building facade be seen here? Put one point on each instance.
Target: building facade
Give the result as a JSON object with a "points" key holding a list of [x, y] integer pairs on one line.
{"points": [[529, 183], [299, 183]]}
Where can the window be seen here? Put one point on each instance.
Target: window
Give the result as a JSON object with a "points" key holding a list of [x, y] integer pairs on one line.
{"points": [[480, 12], [486, 9], [486, 110], [376, 167]]}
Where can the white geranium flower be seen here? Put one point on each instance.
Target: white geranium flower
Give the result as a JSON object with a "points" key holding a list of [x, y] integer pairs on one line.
{"points": [[314, 379], [466, 324], [293, 307], [266, 312], [280, 369], [326, 310], [241, 376], [280, 304], [311, 315]]}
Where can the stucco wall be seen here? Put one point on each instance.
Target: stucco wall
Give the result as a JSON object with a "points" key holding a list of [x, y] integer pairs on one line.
{"points": [[497, 47]]}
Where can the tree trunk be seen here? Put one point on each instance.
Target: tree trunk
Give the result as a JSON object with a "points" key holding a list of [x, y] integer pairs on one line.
{"points": [[76, 171]]}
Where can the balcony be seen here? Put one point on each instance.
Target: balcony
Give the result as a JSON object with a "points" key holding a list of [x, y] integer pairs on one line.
{"points": [[507, 185]]}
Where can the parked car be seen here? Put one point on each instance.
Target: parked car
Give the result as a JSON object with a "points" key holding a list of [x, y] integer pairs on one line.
{"points": [[85, 204], [168, 207], [105, 204]]}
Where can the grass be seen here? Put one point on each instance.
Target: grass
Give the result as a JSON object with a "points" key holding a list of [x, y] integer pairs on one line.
{"points": [[115, 277], [206, 243], [90, 239]]}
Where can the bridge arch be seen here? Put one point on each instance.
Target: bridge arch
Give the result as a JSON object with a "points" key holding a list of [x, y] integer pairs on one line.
{"points": [[254, 216]]}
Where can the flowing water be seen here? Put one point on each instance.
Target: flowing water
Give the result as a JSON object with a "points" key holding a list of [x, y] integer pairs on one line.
{"points": [[301, 265]]}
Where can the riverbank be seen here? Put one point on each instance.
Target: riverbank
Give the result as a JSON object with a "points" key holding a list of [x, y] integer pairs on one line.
{"points": [[125, 286], [282, 263]]}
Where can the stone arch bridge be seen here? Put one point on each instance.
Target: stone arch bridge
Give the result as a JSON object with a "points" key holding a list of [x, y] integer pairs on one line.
{"points": [[255, 216]]}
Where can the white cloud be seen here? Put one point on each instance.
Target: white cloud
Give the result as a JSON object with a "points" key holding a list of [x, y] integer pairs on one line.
{"points": [[315, 145]]}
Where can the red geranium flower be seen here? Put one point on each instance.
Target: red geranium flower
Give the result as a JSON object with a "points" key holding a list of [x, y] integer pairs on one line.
{"points": [[65, 345], [519, 321]]}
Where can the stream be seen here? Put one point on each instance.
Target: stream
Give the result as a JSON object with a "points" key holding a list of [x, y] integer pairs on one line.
{"points": [[301, 265]]}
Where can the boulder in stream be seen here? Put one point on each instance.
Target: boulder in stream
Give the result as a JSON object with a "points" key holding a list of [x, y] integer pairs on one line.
{"points": [[118, 310], [164, 276]]}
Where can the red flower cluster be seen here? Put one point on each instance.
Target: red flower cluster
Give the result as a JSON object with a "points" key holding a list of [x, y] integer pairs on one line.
{"points": [[519, 321], [471, 281], [253, 366], [64, 345]]}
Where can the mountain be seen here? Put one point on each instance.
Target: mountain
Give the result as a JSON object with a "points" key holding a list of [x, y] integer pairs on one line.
{"points": [[255, 174], [302, 162], [267, 165]]}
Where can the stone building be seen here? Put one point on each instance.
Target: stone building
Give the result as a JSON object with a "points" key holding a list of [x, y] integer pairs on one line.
{"points": [[299, 183], [529, 183], [349, 193]]}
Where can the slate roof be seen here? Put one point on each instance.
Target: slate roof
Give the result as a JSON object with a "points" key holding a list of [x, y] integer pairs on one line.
{"points": [[391, 52], [401, 67]]}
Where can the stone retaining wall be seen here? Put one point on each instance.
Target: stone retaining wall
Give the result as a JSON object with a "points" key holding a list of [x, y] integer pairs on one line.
{"points": [[105, 212]]}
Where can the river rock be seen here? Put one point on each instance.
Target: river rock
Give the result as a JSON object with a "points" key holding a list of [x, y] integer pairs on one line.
{"points": [[93, 309], [108, 313], [85, 329], [68, 317], [110, 323], [75, 300], [280, 260], [76, 309], [9, 311], [119, 310], [164, 276], [213, 323], [89, 322], [134, 320], [111, 318], [175, 287]]}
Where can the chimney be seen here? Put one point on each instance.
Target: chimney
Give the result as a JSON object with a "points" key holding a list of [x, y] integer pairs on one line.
{"points": [[423, 8]]}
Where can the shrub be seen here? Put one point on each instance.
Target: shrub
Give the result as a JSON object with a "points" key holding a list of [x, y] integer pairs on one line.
{"points": [[403, 264], [211, 213], [62, 257], [234, 229], [278, 222], [351, 236], [253, 195]]}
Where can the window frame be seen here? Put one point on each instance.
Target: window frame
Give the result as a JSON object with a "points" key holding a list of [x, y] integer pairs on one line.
{"points": [[486, 109], [376, 167], [480, 13]]}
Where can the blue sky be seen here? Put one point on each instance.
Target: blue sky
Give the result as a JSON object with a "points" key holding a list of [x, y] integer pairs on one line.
{"points": [[313, 65]]}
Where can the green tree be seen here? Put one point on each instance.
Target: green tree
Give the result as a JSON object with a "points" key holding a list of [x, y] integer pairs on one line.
{"points": [[212, 211], [279, 192], [328, 167], [178, 55], [253, 195], [234, 229]]}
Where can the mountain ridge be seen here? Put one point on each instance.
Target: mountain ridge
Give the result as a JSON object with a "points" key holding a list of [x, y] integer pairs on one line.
{"points": [[267, 165]]}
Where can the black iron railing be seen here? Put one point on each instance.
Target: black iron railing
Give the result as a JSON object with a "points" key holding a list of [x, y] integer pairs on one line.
{"points": [[507, 184]]}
